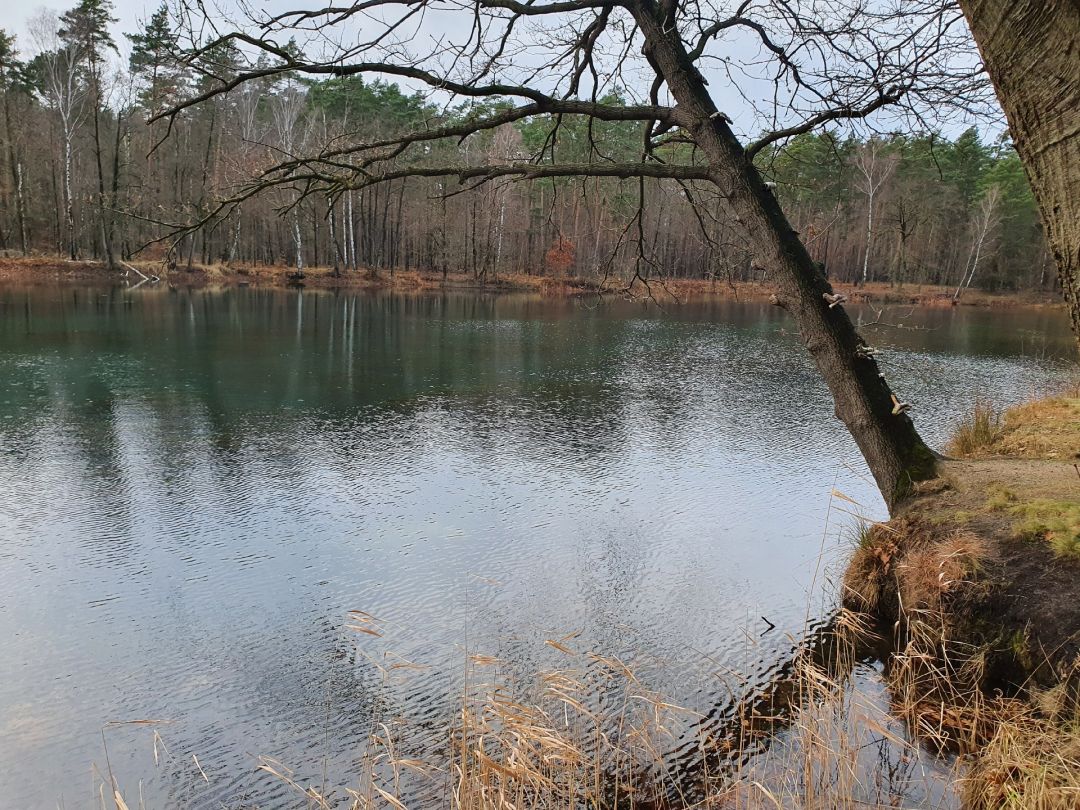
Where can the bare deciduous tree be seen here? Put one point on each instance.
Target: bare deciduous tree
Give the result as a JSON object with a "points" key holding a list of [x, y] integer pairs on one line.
{"points": [[811, 62], [985, 222], [874, 169], [288, 107]]}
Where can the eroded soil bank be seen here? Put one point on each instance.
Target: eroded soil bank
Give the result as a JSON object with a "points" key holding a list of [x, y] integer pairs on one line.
{"points": [[992, 544], [979, 575]]}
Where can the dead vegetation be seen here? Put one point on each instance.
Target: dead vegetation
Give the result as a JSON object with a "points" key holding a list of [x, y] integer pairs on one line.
{"points": [[912, 566], [51, 270], [979, 575], [592, 734], [983, 622], [1043, 428], [1032, 761], [964, 679], [978, 432]]}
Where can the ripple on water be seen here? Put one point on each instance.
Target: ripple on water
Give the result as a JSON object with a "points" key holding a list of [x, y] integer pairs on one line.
{"points": [[190, 510]]}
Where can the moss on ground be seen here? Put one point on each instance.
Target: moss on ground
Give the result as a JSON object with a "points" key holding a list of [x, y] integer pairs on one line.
{"points": [[1049, 520], [1052, 521]]}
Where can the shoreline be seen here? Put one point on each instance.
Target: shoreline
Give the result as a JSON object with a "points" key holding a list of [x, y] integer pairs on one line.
{"points": [[979, 575], [38, 270]]}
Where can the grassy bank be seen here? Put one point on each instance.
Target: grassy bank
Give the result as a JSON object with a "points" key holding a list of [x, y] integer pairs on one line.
{"points": [[980, 573], [50, 270]]}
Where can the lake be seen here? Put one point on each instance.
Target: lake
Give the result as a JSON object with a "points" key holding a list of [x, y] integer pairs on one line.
{"points": [[196, 487]]}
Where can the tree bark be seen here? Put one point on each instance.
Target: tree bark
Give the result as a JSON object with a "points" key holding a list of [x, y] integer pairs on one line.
{"points": [[895, 453], [1032, 52], [69, 204], [331, 222], [15, 166], [104, 219]]}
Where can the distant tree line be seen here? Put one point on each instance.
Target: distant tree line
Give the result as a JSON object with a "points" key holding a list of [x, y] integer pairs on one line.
{"points": [[87, 173]]}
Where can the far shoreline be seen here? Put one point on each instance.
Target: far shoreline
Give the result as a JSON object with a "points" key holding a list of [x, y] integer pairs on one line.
{"points": [[50, 270]]}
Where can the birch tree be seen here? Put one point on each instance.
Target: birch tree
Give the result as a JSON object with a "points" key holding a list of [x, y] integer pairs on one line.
{"points": [[64, 93], [288, 113], [984, 225], [874, 169]]}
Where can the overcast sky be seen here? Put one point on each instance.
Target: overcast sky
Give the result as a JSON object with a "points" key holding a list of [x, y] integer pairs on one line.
{"points": [[15, 13], [132, 13]]}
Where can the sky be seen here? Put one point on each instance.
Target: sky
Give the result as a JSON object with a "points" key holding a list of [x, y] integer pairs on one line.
{"points": [[131, 14]]}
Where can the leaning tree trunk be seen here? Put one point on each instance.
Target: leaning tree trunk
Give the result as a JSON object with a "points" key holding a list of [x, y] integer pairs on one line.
{"points": [[1032, 52], [894, 452]]}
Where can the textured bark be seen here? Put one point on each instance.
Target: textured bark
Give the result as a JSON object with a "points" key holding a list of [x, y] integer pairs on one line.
{"points": [[104, 216], [893, 450], [1032, 52], [69, 203]]}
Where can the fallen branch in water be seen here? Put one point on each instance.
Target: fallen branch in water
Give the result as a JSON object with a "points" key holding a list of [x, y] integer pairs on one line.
{"points": [[140, 273], [878, 322]]}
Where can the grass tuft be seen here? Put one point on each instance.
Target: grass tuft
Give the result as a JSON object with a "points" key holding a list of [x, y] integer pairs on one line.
{"points": [[999, 497], [1030, 762], [978, 432]]}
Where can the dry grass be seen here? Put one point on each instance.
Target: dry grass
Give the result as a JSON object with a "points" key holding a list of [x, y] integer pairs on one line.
{"points": [[1042, 505], [1018, 752], [1043, 428], [810, 740], [1030, 762], [547, 744], [978, 432], [593, 735], [915, 560], [827, 746]]}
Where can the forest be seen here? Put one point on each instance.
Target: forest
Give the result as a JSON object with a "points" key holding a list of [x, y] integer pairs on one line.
{"points": [[90, 172], [396, 482]]}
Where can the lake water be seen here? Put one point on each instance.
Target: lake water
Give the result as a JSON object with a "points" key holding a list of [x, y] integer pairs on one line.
{"points": [[197, 486]]}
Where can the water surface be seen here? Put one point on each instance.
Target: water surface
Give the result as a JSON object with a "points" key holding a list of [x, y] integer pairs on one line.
{"points": [[197, 486]]}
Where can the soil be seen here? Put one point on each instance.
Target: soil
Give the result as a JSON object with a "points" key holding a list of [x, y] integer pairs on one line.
{"points": [[1030, 598], [964, 552]]}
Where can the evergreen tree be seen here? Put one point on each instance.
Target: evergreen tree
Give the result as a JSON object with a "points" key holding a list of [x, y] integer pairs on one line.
{"points": [[152, 62]]}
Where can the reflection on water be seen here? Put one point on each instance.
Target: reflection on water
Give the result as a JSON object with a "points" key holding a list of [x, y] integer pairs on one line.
{"points": [[196, 487]]}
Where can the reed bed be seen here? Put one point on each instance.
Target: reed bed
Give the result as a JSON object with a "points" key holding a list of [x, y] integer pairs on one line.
{"points": [[593, 735]]}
